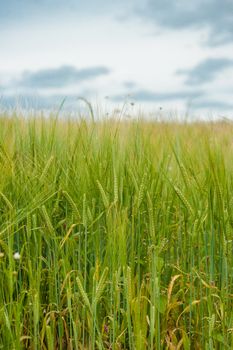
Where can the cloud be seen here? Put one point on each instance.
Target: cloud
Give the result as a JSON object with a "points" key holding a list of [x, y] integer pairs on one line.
{"points": [[216, 15], [28, 101], [129, 84], [42, 102], [60, 77], [16, 9], [150, 96], [182, 14], [206, 71], [12, 11], [212, 105], [195, 100]]}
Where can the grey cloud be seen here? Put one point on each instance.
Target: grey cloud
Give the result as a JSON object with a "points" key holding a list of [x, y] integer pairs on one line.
{"points": [[150, 96], [129, 84], [41, 102], [206, 71], [212, 105], [193, 99], [181, 14], [14, 11], [72, 104], [29, 101], [60, 77], [21, 9]]}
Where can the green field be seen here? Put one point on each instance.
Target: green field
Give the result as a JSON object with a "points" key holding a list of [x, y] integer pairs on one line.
{"points": [[115, 234]]}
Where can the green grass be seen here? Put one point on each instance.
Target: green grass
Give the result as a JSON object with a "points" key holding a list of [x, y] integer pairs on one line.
{"points": [[125, 235]]}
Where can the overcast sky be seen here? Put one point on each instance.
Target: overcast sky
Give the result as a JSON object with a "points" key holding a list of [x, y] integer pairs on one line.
{"points": [[162, 53]]}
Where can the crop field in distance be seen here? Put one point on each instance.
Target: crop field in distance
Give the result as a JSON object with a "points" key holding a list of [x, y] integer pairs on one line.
{"points": [[115, 234]]}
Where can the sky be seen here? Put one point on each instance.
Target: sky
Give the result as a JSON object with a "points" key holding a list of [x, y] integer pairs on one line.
{"points": [[154, 54]]}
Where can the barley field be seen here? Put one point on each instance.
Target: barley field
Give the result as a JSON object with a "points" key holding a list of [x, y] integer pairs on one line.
{"points": [[115, 234]]}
